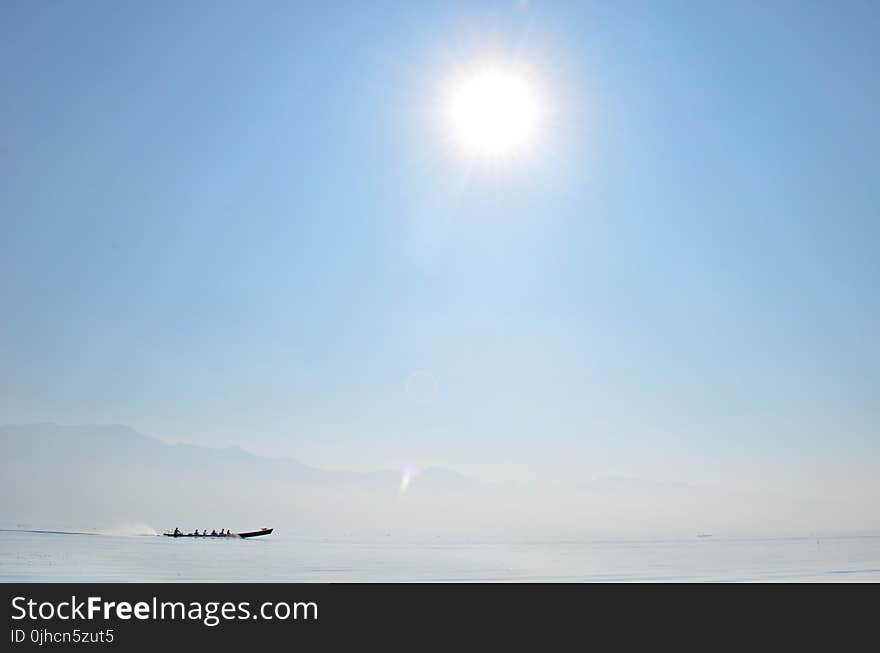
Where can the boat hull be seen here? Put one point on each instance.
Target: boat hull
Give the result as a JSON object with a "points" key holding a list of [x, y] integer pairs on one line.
{"points": [[264, 531]]}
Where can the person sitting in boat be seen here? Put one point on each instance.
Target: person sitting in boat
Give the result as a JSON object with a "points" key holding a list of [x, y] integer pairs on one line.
{"points": [[176, 531], [214, 532]]}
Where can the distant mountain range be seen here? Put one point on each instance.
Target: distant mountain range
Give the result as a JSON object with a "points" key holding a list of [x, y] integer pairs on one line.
{"points": [[106, 475], [117, 448], [51, 471]]}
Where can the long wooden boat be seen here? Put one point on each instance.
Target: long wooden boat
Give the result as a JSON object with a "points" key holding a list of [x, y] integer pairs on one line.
{"points": [[262, 531]]}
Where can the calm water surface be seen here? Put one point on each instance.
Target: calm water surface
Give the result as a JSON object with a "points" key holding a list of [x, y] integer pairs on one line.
{"points": [[282, 557]]}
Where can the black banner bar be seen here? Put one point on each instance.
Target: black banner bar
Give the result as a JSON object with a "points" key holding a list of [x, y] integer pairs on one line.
{"points": [[243, 615]]}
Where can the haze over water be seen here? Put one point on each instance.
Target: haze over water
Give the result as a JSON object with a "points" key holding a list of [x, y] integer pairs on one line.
{"points": [[286, 556]]}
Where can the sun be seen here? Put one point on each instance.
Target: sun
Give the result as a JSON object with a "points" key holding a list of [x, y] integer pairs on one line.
{"points": [[494, 111]]}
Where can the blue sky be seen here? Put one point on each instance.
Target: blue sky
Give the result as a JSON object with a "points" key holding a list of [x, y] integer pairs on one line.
{"points": [[232, 225]]}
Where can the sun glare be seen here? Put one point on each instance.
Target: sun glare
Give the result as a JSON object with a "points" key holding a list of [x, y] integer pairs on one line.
{"points": [[494, 112]]}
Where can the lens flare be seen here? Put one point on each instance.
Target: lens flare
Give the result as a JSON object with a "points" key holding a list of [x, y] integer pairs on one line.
{"points": [[407, 472]]}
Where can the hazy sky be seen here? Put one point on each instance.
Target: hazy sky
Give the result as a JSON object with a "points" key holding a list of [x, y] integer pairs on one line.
{"points": [[243, 224]]}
